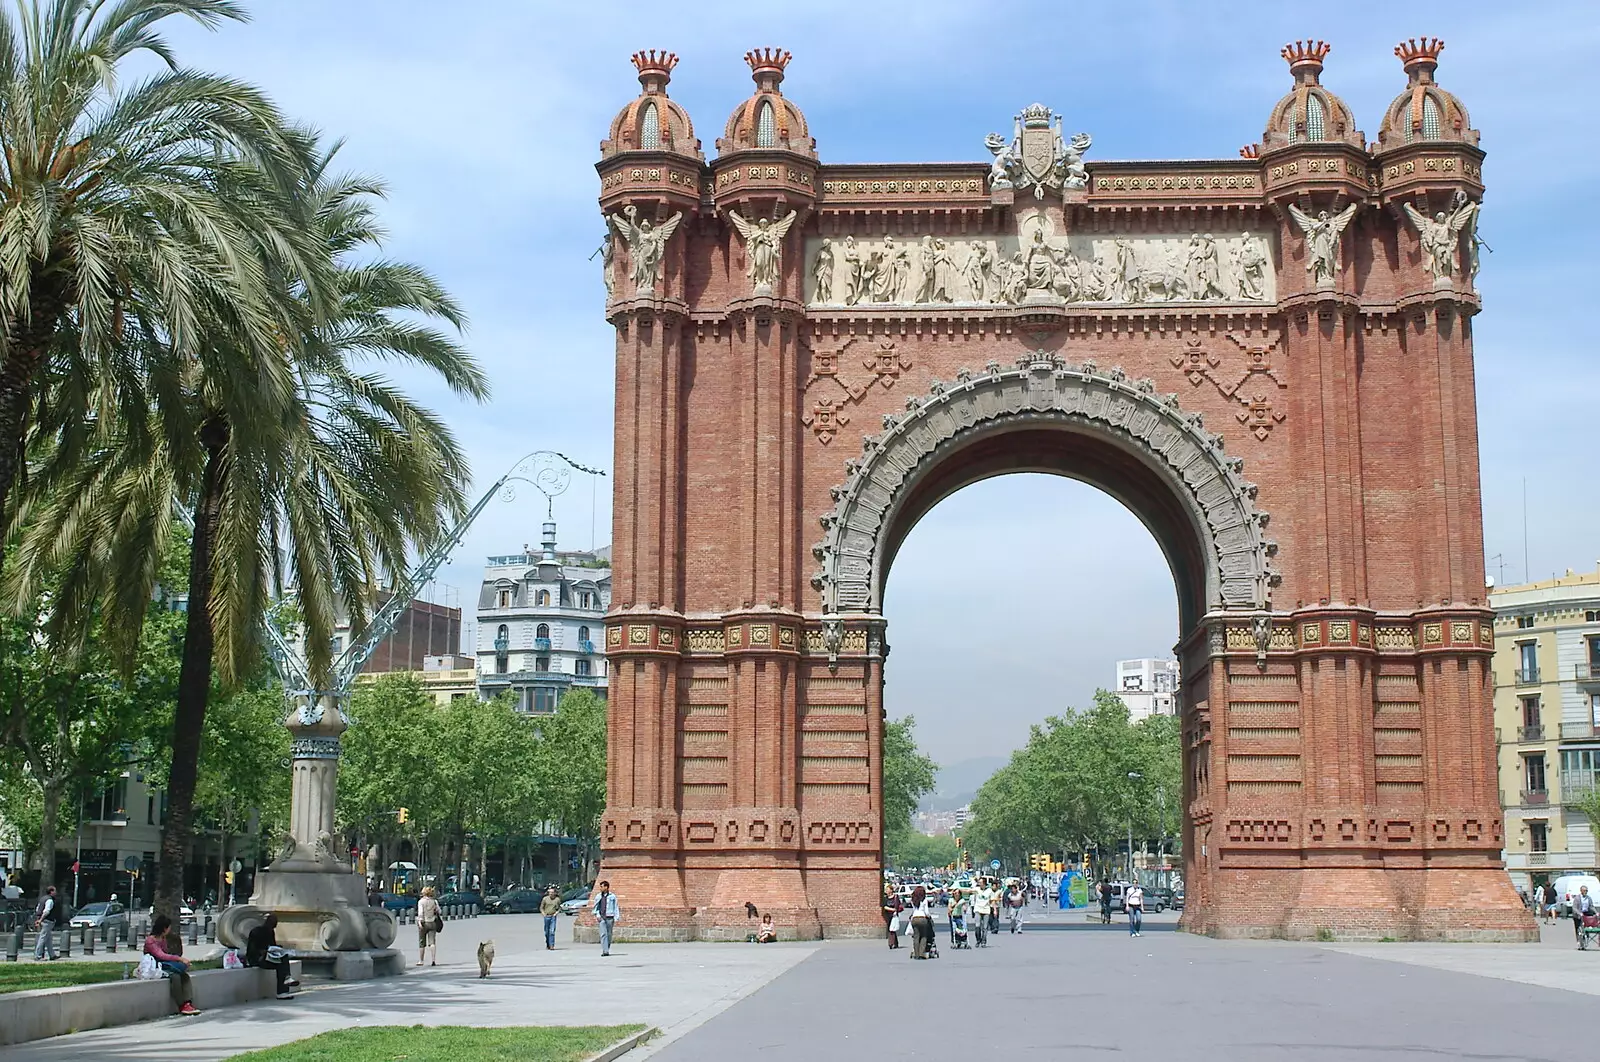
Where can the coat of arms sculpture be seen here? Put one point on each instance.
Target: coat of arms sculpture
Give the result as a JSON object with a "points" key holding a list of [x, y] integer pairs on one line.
{"points": [[1038, 157]]}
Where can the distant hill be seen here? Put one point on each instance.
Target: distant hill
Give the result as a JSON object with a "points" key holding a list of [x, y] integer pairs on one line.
{"points": [[957, 783]]}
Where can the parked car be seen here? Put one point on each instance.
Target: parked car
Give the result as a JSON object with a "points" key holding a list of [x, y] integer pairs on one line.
{"points": [[461, 899], [515, 901], [1177, 898], [397, 902], [103, 914], [576, 898], [1158, 898]]}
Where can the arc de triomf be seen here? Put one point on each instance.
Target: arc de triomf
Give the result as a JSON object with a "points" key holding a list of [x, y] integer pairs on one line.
{"points": [[1267, 358]]}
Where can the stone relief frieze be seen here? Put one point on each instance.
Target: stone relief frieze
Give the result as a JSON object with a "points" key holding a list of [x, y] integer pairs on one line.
{"points": [[1038, 266]]}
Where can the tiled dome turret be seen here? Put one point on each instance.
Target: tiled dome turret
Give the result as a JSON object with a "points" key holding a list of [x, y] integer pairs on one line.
{"points": [[652, 122], [767, 119], [1424, 111], [1309, 113]]}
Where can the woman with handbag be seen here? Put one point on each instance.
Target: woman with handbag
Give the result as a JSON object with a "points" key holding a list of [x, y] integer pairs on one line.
{"points": [[429, 921], [891, 915], [169, 964]]}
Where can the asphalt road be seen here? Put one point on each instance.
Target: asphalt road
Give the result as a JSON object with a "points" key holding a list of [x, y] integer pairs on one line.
{"points": [[1066, 988]]}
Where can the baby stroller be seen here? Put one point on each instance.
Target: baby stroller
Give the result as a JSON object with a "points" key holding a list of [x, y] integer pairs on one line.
{"points": [[958, 931]]}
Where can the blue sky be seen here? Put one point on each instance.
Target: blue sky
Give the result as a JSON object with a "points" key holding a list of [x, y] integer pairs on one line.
{"points": [[484, 118]]}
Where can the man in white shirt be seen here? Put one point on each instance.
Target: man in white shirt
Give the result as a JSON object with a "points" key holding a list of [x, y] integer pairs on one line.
{"points": [[982, 904], [1133, 899]]}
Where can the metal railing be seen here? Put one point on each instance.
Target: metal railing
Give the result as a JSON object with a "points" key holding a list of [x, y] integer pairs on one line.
{"points": [[1589, 672], [1532, 798], [1525, 676], [1576, 785], [1581, 731], [1538, 859], [1531, 733], [586, 646], [502, 644], [541, 645]]}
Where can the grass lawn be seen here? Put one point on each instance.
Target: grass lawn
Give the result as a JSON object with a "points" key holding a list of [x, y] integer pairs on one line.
{"points": [[27, 976], [449, 1043]]}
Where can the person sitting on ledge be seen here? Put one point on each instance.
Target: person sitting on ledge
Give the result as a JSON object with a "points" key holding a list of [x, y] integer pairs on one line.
{"points": [[768, 932], [155, 946], [261, 950]]}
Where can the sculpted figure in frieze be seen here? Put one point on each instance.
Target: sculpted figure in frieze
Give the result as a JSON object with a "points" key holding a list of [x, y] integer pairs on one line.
{"points": [[608, 256], [822, 271], [1250, 264], [647, 245], [763, 248], [1322, 240], [1038, 265], [1441, 235]]}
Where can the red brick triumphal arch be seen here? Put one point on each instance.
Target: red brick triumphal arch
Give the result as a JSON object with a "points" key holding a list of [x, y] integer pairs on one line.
{"points": [[1267, 358]]}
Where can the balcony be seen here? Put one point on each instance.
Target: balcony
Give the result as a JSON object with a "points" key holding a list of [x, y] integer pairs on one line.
{"points": [[502, 644], [586, 646], [1576, 785], [1535, 798], [1578, 732], [541, 645], [1525, 676], [1538, 859], [1589, 673], [1531, 733]]}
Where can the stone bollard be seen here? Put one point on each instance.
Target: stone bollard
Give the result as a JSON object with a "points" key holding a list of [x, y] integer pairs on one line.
{"points": [[211, 931], [108, 937], [14, 949], [66, 944], [194, 932], [87, 940]]}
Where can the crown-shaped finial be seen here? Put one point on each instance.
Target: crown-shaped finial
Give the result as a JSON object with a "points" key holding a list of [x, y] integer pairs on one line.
{"points": [[1306, 55], [1250, 151], [766, 65], [654, 67], [1419, 53]]}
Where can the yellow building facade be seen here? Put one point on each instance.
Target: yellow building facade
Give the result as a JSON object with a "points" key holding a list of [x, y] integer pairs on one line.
{"points": [[445, 684], [1547, 723]]}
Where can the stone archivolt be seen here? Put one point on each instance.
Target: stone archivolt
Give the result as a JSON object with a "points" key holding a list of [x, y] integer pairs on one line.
{"points": [[1045, 388]]}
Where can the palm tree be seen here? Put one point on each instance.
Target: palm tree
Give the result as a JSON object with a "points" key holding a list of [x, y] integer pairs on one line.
{"points": [[129, 210], [327, 491]]}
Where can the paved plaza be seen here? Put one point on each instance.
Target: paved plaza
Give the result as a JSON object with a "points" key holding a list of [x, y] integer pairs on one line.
{"points": [[1062, 987]]}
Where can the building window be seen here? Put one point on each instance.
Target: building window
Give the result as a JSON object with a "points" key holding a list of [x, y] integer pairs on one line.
{"points": [[649, 127], [1538, 837], [544, 597], [541, 663], [1314, 118], [1528, 662], [581, 667], [457, 697], [1594, 708], [503, 599], [1530, 712], [1524, 623], [500, 663], [1533, 773], [544, 700], [1430, 119], [542, 631], [336, 643], [585, 599], [766, 126], [583, 634], [1591, 615], [1594, 656]]}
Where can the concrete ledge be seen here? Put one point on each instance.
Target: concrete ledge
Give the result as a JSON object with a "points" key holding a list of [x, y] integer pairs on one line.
{"points": [[46, 1012], [623, 1046]]}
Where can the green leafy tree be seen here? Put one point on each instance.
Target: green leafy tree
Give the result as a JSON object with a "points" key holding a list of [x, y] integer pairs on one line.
{"points": [[569, 776], [388, 762], [298, 461], [913, 850], [908, 776], [242, 768], [127, 210], [70, 721]]}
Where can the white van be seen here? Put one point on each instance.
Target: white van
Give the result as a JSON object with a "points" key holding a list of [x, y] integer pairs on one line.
{"points": [[1565, 890]]}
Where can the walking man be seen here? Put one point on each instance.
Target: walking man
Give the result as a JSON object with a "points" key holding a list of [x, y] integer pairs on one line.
{"points": [[1582, 904], [1134, 901], [45, 920], [605, 913], [550, 907]]}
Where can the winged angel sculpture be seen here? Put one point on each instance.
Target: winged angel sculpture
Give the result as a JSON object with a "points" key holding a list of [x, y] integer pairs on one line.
{"points": [[763, 247], [1322, 239], [647, 245], [1441, 234]]}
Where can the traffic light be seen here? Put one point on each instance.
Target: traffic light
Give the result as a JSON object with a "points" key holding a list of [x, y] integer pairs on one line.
{"points": [[958, 842], [1036, 861], [227, 876], [403, 815]]}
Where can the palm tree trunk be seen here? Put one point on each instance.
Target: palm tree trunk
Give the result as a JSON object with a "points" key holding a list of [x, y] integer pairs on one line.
{"points": [[28, 340], [194, 674]]}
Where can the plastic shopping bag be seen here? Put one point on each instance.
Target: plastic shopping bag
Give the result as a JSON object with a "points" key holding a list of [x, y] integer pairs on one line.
{"points": [[231, 960], [150, 970]]}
